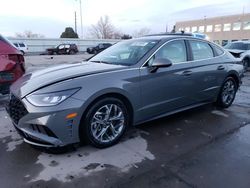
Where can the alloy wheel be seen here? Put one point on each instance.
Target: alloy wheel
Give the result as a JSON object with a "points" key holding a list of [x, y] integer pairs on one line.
{"points": [[107, 123]]}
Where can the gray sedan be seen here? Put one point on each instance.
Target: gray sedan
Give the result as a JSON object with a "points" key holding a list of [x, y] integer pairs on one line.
{"points": [[132, 82]]}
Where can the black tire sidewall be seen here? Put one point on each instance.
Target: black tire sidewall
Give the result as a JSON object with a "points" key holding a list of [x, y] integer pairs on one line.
{"points": [[246, 64], [87, 135], [220, 102]]}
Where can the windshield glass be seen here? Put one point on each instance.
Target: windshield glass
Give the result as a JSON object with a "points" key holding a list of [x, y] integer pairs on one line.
{"points": [[237, 46], [126, 52]]}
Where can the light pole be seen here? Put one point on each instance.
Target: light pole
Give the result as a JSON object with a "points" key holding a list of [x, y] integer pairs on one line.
{"points": [[81, 18], [80, 9]]}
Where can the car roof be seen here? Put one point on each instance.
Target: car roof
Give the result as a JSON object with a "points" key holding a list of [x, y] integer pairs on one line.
{"points": [[168, 37], [243, 42]]}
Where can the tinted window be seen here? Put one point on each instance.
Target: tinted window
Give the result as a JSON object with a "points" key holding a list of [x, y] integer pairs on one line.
{"points": [[21, 45], [201, 50], [174, 51]]}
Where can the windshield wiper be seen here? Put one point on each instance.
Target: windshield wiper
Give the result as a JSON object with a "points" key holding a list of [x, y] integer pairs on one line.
{"points": [[105, 62]]}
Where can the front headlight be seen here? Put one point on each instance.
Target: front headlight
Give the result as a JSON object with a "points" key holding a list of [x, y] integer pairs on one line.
{"points": [[50, 99]]}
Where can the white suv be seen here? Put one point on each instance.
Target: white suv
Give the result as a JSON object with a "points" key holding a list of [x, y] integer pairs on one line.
{"points": [[241, 50], [22, 47]]}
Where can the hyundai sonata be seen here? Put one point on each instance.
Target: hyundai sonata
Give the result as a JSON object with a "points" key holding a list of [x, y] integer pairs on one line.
{"points": [[132, 82]]}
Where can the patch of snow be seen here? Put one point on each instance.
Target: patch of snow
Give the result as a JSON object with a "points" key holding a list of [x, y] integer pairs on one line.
{"points": [[219, 113], [123, 156]]}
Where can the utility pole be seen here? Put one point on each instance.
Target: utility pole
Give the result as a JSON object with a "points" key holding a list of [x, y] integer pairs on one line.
{"points": [[81, 18], [75, 23]]}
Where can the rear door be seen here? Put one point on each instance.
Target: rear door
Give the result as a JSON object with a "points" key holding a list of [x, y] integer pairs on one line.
{"points": [[208, 70]]}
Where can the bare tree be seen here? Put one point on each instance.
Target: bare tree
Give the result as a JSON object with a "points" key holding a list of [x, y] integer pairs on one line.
{"points": [[29, 34], [141, 32], [103, 29]]}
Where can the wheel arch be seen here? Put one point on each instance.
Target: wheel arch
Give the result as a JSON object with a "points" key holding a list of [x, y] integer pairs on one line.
{"points": [[235, 76], [117, 95]]}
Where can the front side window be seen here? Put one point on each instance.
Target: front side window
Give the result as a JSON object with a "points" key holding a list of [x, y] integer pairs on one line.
{"points": [[201, 50], [21, 45], [175, 51], [61, 47]]}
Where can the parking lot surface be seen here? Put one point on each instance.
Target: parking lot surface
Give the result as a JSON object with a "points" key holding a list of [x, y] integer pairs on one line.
{"points": [[203, 147]]}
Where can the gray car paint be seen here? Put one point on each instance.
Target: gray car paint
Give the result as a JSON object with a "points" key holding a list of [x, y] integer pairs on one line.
{"points": [[151, 95]]}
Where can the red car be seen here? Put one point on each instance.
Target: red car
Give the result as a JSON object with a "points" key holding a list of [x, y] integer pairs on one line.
{"points": [[11, 65]]}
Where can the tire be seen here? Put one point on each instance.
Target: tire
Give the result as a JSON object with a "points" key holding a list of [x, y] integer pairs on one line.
{"points": [[22, 52], [227, 93], [102, 130], [71, 52], [246, 63]]}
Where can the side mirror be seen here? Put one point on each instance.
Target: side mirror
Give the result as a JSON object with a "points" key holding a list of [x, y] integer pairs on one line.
{"points": [[160, 63]]}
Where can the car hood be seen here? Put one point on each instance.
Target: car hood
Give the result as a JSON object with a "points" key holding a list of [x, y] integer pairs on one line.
{"points": [[235, 51], [39, 79]]}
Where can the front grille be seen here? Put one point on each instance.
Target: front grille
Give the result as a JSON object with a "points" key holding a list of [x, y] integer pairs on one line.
{"points": [[16, 109], [4, 88]]}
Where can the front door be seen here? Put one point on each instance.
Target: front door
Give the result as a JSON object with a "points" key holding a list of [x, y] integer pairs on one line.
{"points": [[166, 89]]}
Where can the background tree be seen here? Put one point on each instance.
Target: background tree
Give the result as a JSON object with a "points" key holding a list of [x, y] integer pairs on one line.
{"points": [[103, 29], [143, 31], [69, 33], [29, 34]]}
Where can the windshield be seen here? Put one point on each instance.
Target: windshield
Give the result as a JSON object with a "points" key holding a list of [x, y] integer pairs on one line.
{"points": [[237, 46], [126, 52]]}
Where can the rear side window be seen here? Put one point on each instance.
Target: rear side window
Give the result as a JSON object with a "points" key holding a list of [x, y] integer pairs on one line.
{"points": [[201, 50], [218, 50]]}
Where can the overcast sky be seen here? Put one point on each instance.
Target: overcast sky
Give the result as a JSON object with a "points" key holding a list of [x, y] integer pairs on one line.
{"points": [[50, 17]]}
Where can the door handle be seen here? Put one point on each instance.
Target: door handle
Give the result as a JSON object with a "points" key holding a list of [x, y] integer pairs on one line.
{"points": [[221, 67], [187, 73]]}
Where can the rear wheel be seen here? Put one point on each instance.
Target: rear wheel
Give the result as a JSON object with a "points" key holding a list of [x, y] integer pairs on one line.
{"points": [[105, 122], [227, 93]]}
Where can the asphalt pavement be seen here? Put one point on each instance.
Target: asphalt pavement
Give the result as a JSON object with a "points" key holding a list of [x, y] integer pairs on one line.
{"points": [[202, 147]]}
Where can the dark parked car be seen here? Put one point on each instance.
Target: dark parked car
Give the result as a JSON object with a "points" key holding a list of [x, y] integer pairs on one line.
{"points": [[240, 49], [11, 65], [97, 49], [132, 82], [63, 49]]}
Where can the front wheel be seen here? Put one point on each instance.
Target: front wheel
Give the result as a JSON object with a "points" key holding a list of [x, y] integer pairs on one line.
{"points": [[227, 93], [105, 122]]}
